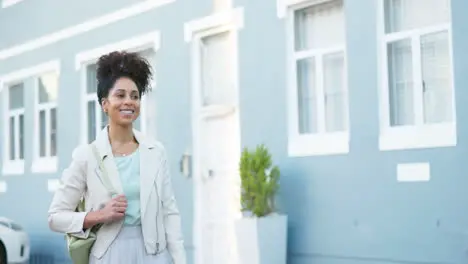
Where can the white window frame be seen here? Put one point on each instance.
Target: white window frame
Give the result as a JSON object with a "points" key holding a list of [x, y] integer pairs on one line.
{"points": [[313, 144], [90, 97], [16, 167], [419, 135], [53, 185], [47, 164], [150, 40], [3, 186], [9, 3]]}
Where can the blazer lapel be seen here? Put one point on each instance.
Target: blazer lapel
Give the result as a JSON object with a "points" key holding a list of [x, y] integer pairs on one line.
{"points": [[105, 151], [150, 161], [149, 169]]}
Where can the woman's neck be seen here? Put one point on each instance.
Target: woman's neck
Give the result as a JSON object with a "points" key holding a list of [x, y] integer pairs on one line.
{"points": [[120, 134]]}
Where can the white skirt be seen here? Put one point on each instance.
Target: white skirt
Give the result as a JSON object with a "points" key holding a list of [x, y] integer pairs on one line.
{"points": [[128, 248]]}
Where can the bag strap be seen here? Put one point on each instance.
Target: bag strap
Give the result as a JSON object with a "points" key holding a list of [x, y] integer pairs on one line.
{"points": [[105, 177]]}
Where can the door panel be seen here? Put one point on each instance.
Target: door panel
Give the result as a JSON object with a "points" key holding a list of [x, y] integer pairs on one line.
{"points": [[217, 87], [218, 139], [218, 165]]}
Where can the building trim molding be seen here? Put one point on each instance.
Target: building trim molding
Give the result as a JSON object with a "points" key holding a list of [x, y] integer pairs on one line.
{"points": [[52, 65], [282, 6], [231, 18], [151, 40], [8, 3], [81, 28]]}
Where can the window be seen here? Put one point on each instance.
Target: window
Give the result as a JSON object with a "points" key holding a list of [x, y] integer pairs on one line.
{"points": [[147, 119], [418, 96], [96, 118], [47, 86], [318, 97], [14, 129], [217, 84], [15, 85]]}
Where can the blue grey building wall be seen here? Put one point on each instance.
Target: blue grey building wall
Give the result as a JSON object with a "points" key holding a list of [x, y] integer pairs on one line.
{"points": [[345, 209], [350, 209], [27, 198]]}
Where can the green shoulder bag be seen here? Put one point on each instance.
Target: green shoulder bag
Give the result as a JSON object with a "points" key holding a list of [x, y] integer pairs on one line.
{"points": [[79, 249]]}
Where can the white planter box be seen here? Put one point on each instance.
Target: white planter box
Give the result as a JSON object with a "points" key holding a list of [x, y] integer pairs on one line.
{"points": [[262, 240]]}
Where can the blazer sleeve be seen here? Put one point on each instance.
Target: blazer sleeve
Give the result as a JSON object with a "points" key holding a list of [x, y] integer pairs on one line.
{"points": [[172, 221], [62, 216]]}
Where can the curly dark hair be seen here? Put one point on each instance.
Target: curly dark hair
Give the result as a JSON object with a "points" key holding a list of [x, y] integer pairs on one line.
{"points": [[117, 64]]}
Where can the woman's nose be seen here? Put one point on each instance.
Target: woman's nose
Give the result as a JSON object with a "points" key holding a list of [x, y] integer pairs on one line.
{"points": [[128, 100]]}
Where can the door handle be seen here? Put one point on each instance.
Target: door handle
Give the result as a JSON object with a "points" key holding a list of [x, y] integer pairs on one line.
{"points": [[211, 173], [184, 164], [208, 174]]}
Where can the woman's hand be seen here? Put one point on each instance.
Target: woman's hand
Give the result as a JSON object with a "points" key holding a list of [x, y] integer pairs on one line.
{"points": [[114, 210]]}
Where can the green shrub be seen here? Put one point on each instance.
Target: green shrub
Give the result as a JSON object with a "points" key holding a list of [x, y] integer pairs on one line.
{"points": [[259, 181]]}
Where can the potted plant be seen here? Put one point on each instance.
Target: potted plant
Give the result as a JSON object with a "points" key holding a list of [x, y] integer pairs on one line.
{"points": [[261, 233]]}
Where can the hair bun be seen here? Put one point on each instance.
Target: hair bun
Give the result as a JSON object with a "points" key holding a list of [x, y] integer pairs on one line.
{"points": [[117, 64]]}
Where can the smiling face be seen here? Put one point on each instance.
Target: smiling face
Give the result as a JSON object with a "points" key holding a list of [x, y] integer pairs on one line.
{"points": [[122, 105]]}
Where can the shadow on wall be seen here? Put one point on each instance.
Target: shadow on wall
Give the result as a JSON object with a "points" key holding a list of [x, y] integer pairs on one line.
{"points": [[48, 249], [37, 258]]}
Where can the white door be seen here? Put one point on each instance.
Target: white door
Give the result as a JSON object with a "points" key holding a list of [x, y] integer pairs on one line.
{"points": [[217, 149]]}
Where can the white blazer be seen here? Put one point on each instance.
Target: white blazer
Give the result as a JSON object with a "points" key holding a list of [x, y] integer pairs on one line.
{"points": [[160, 217]]}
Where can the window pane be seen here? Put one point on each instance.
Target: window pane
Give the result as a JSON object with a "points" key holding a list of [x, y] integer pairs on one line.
{"points": [[104, 119], [21, 136], [42, 133], [319, 26], [91, 121], [48, 87], [91, 81], [150, 111], [436, 74], [53, 132], [400, 83], [12, 138], [217, 81], [150, 56], [16, 96], [137, 124], [306, 93], [335, 95], [409, 14]]}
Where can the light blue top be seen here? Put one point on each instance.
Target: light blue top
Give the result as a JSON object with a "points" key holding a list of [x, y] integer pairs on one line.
{"points": [[129, 172]]}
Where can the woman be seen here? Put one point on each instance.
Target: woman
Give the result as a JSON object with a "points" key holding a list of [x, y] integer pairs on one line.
{"points": [[140, 221]]}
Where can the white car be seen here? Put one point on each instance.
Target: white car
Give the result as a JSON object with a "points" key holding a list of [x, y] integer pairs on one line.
{"points": [[14, 242]]}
